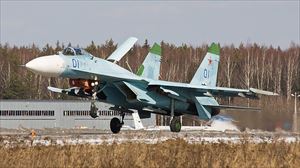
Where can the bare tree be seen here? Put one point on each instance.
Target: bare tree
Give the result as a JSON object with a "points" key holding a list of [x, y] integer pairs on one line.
{"points": [[292, 67], [230, 64], [278, 74]]}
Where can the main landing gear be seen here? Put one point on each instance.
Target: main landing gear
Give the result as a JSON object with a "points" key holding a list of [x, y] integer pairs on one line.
{"points": [[175, 124], [116, 124]]}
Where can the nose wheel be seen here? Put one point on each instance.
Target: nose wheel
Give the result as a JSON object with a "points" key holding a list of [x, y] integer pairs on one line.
{"points": [[93, 110], [116, 124]]}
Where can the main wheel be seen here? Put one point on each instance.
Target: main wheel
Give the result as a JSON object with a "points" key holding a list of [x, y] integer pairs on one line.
{"points": [[175, 125], [115, 125]]}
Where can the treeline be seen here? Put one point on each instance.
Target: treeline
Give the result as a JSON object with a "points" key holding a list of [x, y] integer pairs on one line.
{"points": [[243, 66]]}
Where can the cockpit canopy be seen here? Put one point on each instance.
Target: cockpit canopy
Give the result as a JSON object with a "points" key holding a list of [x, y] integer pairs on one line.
{"points": [[75, 51]]}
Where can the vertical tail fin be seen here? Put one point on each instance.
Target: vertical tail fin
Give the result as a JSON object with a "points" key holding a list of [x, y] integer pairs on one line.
{"points": [[151, 65], [207, 72]]}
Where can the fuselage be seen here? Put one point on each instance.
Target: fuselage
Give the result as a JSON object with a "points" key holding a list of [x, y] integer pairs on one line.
{"points": [[66, 66], [108, 74]]}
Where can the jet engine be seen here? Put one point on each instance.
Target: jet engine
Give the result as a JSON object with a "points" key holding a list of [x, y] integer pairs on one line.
{"points": [[215, 111]]}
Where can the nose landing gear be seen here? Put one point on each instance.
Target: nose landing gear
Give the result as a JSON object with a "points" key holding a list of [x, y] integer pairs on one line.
{"points": [[93, 110]]}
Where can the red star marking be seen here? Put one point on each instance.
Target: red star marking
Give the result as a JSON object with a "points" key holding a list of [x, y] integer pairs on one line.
{"points": [[209, 61]]}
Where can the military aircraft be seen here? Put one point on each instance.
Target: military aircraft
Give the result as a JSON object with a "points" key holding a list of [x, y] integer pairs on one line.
{"points": [[104, 80]]}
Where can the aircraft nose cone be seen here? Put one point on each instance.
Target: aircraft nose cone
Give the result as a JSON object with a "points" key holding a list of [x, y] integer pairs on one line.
{"points": [[51, 66]]}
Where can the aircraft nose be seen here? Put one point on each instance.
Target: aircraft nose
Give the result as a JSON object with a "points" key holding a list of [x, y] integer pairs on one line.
{"points": [[51, 66]]}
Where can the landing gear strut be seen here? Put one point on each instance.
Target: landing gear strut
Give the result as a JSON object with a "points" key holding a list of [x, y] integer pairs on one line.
{"points": [[116, 124], [175, 124], [93, 110]]}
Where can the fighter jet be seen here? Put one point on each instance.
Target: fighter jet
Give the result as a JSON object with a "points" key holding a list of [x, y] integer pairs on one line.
{"points": [[104, 80]]}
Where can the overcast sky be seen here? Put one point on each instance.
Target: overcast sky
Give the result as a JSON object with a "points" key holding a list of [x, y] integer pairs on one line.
{"points": [[194, 22]]}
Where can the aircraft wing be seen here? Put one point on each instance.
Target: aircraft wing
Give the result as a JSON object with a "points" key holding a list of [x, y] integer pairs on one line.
{"points": [[211, 91], [122, 50]]}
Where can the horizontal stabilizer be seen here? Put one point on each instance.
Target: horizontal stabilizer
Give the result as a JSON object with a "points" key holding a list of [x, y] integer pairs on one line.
{"points": [[263, 92], [122, 50]]}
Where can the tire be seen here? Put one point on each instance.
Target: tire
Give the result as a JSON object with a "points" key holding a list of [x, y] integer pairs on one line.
{"points": [[175, 125], [115, 125], [93, 111], [93, 115]]}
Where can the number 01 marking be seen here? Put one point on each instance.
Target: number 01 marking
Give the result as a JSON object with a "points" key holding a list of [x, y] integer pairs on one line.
{"points": [[206, 73], [75, 63]]}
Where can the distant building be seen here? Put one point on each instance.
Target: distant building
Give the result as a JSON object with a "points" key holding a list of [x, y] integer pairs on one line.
{"points": [[58, 114]]}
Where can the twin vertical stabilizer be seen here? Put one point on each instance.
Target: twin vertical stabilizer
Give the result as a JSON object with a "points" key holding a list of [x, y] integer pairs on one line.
{"points": [[151, 65], [206, 74]]}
